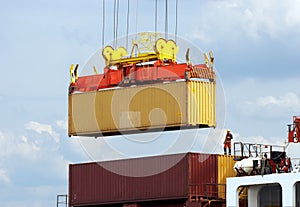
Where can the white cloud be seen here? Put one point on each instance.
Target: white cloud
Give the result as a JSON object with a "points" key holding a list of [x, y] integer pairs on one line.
{"points": [[35, 196], [258, 139], [259, 109], [3, 176], [267, 17], [289, 100], [201, 35], [274, 105], [31, 160], [293, 15], [235, 20], [27, 150], [6, 145], [40, 128], [63, 124], [24, 139], [36, 142], [261, 97]]}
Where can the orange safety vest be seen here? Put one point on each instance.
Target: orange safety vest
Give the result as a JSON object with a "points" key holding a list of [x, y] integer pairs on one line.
{"points": [[227, 142]]}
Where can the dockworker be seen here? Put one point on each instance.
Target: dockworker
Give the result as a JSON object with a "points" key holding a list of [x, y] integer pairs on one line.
{"points": [[227, 142]]}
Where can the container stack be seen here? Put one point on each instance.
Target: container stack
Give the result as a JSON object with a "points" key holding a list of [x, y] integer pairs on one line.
{"points": [[191, 179], [143, 93]]}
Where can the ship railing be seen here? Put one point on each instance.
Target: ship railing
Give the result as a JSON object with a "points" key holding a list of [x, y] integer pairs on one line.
{"points": [[244, 150], [207, 191]]}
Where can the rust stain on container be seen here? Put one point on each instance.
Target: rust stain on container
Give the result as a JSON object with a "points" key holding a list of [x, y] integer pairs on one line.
{"points": [[157, 106], [190, 176]]}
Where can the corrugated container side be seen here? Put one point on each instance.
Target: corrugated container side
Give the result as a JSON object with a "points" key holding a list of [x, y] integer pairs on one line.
{"points": [[225, 170], [154, 106], [193, 176], [214, 121], [71, 128], [92, 184], [203, 176], [159, 105], [201, 103], [165, 203], [81, 113], [131, 205], [172, 203], [123, 109]]}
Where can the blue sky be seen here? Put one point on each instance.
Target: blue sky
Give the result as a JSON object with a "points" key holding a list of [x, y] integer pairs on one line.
{"points": [[257, 57]]}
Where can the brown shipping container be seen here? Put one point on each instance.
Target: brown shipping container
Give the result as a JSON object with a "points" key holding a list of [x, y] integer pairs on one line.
{"points": [[173, 203], [179, 176], [148, 107]]}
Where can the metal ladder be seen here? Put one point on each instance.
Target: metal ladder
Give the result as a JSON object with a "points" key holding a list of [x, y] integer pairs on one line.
{"points": [[62, 200]]}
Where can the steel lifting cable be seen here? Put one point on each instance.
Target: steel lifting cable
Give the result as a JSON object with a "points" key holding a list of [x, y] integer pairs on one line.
{"points": [[166, 21], [103, 22], [155, 19], [117, 23], [136, 18], [176, 23], [127, 30]]}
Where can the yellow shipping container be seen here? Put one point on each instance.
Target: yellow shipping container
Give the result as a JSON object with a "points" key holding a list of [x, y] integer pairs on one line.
{"points": [[163, 106], [225, 170]]}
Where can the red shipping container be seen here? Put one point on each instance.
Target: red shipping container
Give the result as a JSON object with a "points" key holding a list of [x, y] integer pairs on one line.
{"points": [[179, 176]]}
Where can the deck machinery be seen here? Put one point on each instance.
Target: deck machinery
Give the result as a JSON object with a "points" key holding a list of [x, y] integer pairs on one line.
{"points": [[263, 159], [294, 130], [267, 175]]}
